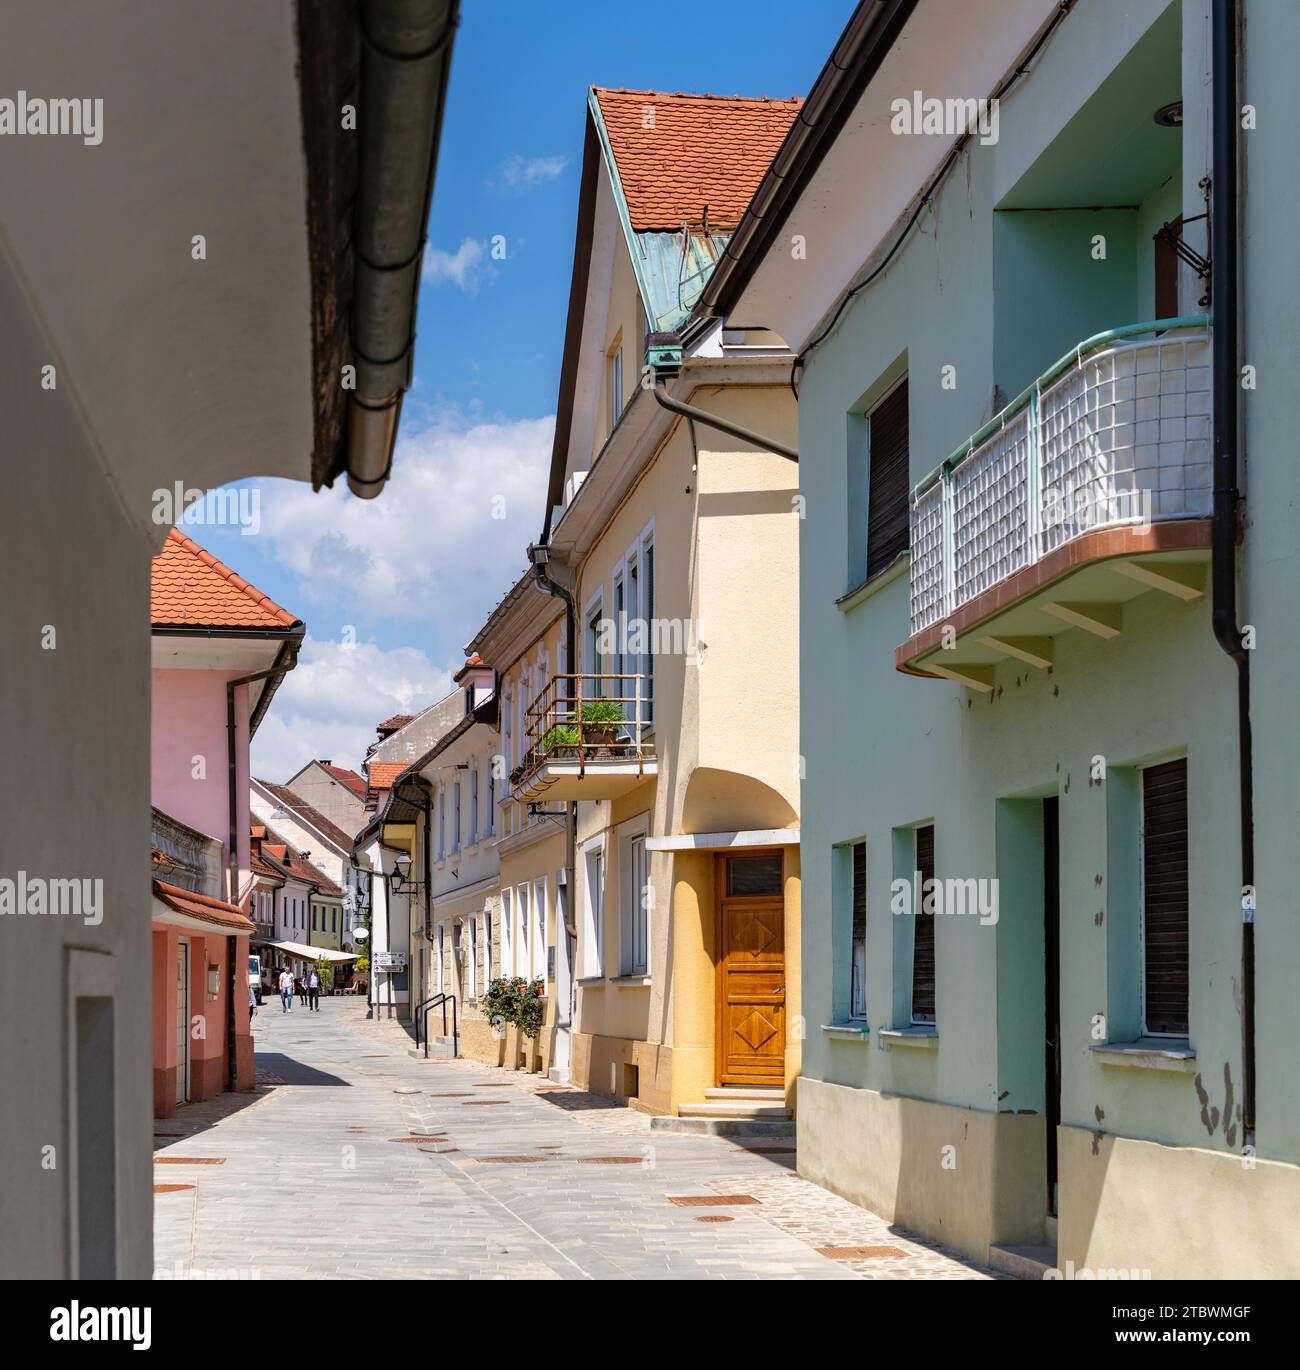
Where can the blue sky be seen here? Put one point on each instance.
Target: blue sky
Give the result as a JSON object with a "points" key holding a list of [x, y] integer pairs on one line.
{"points": [[410, 576]]}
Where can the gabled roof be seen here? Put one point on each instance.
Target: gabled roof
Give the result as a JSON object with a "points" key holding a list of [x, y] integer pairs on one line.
{"points": [[190, 588], [302, 812], [391, 725], [688, 159], [283, 859], [382, 774], [348, 779]]}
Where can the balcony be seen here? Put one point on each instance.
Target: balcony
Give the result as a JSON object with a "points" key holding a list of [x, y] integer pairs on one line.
{"points": [[585, 738], [1090, 488]]}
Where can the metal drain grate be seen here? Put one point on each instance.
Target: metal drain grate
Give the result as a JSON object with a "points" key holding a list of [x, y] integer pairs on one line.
{"points": [[484, 1102], [189, 1160], [711, 1200], [715, 1218], [858, 1253], [609, 1160], [510, 1160]]}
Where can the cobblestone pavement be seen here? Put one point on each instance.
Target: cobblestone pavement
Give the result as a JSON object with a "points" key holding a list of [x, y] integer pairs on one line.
{"points": [[354, 1161]]}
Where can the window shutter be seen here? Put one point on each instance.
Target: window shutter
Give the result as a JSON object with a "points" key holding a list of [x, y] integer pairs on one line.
{"points": [[887, 513], [923, 946], [858, 946], [1164, 896]]}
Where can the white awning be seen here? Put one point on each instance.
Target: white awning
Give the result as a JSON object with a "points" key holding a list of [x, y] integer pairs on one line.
{"points": [[306, 953]]}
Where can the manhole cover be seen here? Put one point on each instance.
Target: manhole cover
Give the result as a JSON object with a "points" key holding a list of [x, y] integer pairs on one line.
{"points": [[189, 1160], [715, 1218], [170, 1188], [858, 1253], [711, 1200], [509, 1160], [609, 1160], [405, 1089]]}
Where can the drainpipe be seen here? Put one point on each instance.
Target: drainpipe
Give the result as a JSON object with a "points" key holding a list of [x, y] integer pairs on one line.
{"points": [[285, 661], [1227, 496], [405, 64], [735, 430], [539, 554]]}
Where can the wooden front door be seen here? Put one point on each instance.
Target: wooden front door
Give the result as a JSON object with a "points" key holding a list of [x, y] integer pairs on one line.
{"points": [[751, 970]]}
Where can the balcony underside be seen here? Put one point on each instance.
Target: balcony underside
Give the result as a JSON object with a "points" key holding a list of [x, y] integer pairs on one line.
{"points": [[1083, 584], [602, 778]]}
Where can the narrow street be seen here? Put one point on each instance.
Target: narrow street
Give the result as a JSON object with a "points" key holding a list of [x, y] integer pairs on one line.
{"points": [[353, 1160]]}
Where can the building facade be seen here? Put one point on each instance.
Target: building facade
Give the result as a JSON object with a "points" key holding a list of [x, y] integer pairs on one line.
{"points": [[1036, 1027]]}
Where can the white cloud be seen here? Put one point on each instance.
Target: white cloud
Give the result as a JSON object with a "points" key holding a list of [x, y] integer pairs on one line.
{"points": [[327, 707], [466, 268], [524, 173], [439, 546]]}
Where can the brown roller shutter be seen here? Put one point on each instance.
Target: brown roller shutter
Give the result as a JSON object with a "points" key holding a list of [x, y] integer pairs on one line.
{"points": [[887, 526], [1164, 896], [923, 947], [857, 990]]}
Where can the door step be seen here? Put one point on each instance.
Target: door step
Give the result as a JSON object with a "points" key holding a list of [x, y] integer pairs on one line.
{"points": [[440, 1049], [737, 1108], [1023, 1262], [765, 1094], [724, 1127]]}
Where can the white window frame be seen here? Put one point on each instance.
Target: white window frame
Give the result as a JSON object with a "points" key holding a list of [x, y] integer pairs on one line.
{"points": [[473, 802], [507, 931], [614, 381], [629, 897], [539, 927], [523, 941], [442, 956], [592, 948], [442, 821], [455, 814], [471, 988], [486, 916], [592, 662]]}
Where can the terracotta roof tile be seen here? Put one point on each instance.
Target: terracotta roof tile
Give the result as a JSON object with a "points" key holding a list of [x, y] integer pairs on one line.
{"points": [[191, 588], [391, 725], [383, 773], [199, 906], [679, 156], [284, 859], [349, 779]]}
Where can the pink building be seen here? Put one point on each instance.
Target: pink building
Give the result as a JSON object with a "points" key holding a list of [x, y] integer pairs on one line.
{"points": [[220, 650]]}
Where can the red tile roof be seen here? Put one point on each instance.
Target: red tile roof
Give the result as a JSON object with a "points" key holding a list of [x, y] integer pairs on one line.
{"points": [[350, 779], [285, 860], [191, 588], [391, 725], [199, 906], [383, 773], [700, 153]]}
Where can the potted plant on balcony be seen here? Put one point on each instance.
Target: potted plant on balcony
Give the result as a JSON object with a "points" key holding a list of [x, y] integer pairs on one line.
{"points": [[601, 719], [561, 740]]}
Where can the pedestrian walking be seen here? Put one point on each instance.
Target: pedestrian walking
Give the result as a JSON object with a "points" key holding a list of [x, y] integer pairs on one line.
{"points": [[313, 989], [302, 989], [286, 990]]}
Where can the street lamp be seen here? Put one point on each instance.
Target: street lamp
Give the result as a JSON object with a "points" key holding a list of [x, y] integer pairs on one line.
{"points": [[399, 881]]}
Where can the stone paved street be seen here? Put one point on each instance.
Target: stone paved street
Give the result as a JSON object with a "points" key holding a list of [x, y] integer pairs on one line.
{"points": [[354, 1161]]}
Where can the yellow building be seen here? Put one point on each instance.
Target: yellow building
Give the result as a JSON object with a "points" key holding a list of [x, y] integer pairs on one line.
{"points": [[665, 748]]}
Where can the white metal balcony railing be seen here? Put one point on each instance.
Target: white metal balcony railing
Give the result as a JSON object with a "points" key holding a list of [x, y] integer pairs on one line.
{"points": [[588, 719], [1116, 434]]}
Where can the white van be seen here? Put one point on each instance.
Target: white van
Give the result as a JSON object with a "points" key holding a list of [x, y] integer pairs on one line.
{"points": [[255, 975]]}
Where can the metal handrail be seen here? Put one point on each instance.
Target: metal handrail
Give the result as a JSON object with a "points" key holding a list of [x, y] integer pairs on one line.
{"points": [[424, 1008], [552, 709]]}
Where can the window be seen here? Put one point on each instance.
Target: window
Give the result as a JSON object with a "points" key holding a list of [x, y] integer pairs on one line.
{"points": [[647, 610], [634, 920], [539, 929], [616, 666], [887, 491], [487, 949], [858, 965], [593, 911], [491, 825], [1164, 899], [471, 991], [507, 931], [614, 383], [455, 816], [442, 822], [473, 803], [753, 876], [521, 931], [923, 928], [442, 951], [595, 659]]}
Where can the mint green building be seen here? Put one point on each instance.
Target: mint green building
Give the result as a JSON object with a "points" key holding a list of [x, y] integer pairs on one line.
{"points": [[1048, 585]]}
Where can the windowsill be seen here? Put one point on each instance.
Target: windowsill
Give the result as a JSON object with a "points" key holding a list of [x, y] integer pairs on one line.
{"points": [[629, 981], [874, 583], [1148, 1053], [924, 1036], [855, 1031], [586, 981]]}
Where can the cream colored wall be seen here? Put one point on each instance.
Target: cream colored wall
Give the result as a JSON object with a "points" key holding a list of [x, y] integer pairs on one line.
{"points": [[624, 320]]}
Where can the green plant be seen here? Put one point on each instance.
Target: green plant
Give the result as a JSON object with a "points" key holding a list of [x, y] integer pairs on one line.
{"points": [[516, 1000], [562, 735], [600, 713]]}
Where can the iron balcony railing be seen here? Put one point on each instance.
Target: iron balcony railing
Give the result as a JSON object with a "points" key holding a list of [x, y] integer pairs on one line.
{"points": [[588, 718], [1116, 433]]}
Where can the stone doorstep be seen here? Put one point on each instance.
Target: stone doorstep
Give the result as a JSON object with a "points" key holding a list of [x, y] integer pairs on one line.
{"points": [[767, 1129], [1029, 1262], [764, 1094], [740, 1108]]}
